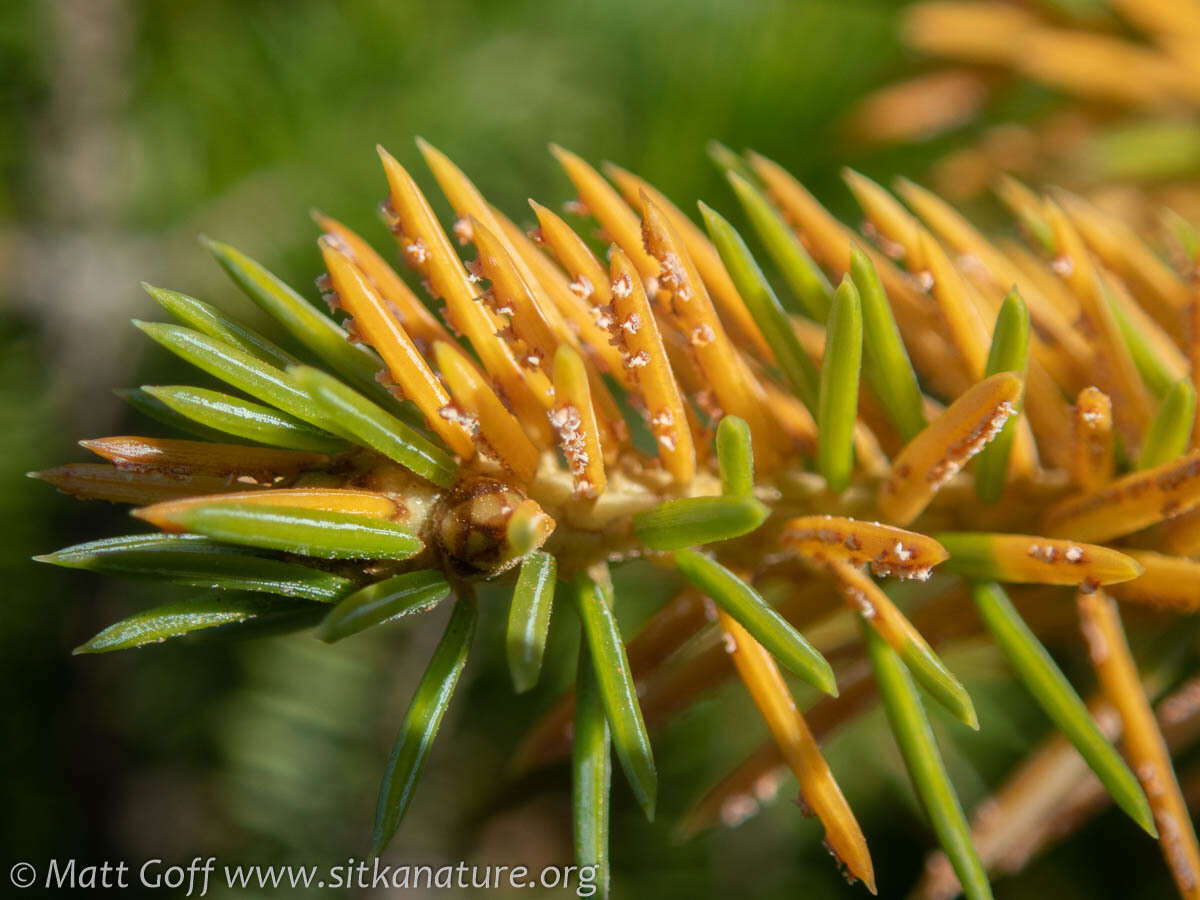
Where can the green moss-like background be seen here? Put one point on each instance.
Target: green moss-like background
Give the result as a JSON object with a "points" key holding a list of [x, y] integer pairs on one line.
{"points": [[130, 128]]}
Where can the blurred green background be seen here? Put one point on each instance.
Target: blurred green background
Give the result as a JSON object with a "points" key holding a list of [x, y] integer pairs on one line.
{"points": [[130, 128]]}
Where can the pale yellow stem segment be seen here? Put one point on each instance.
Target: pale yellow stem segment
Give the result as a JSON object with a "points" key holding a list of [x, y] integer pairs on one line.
{"points": [[418, 321], [1128, 504], [428, 250], [1168, 582], [818, 788], [708, 261], [512, 296], [574, 421], [1143, 742], [98, 481], [588, 289], [620, 223], [201, 457], [737, 391], [936, 455], [383, 331], [1134, 406], [888, 550], [636, 335], [336, 500], [1092, 452], [498, 429]]}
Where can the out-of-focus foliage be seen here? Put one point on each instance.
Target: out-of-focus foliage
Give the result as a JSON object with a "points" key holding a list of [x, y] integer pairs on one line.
{"points": [[1100, 96]]}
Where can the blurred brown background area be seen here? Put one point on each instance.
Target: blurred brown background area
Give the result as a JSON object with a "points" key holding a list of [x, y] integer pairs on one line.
{"points": [[129, 128]]}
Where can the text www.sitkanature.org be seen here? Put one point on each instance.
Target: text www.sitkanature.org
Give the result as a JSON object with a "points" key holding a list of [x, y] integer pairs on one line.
{"points": [[196, 878]]}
